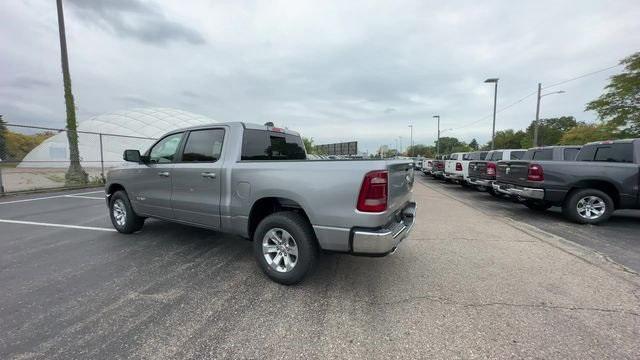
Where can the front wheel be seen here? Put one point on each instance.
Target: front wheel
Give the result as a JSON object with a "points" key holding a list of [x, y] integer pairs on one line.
{"points": [[588, 206], [285, 247], [123, 218]]}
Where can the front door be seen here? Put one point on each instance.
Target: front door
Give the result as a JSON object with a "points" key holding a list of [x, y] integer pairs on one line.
{"points": [[196, 178], [152, 185]]}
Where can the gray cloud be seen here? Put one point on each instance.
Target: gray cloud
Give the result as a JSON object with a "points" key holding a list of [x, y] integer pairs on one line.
{"points": [[28, 82], [135, 19], [132, 100]]}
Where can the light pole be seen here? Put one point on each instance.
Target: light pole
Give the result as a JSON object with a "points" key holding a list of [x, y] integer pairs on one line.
{"points": [[495, 100], [411, 141], [400, 137], [438, 143], [537, 123]]}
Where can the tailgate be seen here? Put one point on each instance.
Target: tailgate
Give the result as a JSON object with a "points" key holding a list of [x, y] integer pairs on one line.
{"points": [[477, 169], [400, 185], [512, 172]]}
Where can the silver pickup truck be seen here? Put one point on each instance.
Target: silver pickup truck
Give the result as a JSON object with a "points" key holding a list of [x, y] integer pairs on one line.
{"points": [[255, 181]]}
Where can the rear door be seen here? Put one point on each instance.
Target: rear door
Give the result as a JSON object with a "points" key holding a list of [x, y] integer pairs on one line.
{"points": [[196, 178]]}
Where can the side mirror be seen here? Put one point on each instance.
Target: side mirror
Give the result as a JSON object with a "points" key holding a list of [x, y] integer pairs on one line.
{"points": [[131, 155]]}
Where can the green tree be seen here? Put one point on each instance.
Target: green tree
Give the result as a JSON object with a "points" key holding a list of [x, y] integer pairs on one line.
{"points": [[584, 133], [422, 150], [450, 145], [308, 145], [550, 131], [3, 139], [619, 105], [75, 174], [508, 139], [474, 144]]}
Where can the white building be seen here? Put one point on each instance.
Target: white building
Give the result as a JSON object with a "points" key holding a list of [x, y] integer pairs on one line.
{"points": [[148, 123]]}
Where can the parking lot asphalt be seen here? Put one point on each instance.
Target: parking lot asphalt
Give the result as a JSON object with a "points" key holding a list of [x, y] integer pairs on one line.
{"points": [[617, 239], [465, 284]]}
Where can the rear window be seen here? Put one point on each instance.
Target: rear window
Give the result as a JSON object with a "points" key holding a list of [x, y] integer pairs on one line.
{"points": [[570, 154], [466, 156], [478, 155], [496, 156], [270, 145], [621, 152], [546, 154], [517, 155]]}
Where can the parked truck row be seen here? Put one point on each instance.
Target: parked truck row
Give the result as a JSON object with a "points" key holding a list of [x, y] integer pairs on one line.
{"points": [[588, 182]]}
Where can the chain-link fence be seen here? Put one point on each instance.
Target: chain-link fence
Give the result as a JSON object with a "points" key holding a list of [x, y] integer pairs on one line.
{"points": [[34, 158]]}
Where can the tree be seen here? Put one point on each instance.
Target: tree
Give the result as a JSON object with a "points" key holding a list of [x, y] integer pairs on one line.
{"points": [[422, 150], [474, 144], [508, 139], [75, 174], [619, 106], [3, 139], [308, 145], [550, 131], [450, 145], [584, 133]]}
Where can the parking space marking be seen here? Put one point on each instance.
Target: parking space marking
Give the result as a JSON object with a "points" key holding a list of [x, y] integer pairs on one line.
{"points": [[50, 197], [56, 225], [86, 197]]}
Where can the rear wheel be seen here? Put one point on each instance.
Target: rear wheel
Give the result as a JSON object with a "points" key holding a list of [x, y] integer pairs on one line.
{"points": [[538, 205], [123, 218], [285, 247], [588, 206]]}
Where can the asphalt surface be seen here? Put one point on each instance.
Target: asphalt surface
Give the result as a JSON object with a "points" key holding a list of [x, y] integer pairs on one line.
{"points": [[618, 239], [466, 284]]}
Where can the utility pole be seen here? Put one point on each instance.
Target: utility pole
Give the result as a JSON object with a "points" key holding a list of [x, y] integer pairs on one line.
{"points": [[411, 141], [495, 101], [75, 174], [438, 142], [535, 127], [400, 137]]}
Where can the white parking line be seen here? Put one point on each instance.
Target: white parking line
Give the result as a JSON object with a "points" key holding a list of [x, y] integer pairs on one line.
{"points": [[50, 197], [56, 225], [86, 197]]}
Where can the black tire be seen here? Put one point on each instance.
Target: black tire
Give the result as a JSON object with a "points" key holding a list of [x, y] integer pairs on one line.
{"points": [[570, 206], [537, 205], [132, 222], [307, 248], [494, 193]]}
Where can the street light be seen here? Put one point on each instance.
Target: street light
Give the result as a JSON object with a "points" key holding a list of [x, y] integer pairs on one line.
{"points": [[495, 99], [438, 143], [411, 141], [537, 122]]}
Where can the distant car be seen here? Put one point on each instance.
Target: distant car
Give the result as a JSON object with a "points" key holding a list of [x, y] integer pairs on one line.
{"points": [[604, 177], [427, 166], [437, 170], [466, 160], [482, 173]]}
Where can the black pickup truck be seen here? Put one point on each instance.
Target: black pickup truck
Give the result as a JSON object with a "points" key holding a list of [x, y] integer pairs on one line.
{"points": [[604, 177]]}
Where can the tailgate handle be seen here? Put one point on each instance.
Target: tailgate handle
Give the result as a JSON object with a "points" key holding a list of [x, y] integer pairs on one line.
{"points": [[209, 175]]}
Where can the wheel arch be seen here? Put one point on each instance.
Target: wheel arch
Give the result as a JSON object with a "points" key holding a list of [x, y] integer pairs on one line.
{"points": [[602, 185], [266, 206]]}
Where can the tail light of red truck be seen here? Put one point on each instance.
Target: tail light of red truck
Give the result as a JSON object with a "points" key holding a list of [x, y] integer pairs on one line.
{"points": [[491, 169], [458, 166], [373, 192], [535, 173]]}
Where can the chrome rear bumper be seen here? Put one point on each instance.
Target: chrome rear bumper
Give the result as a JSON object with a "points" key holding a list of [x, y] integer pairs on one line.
{"points": [[380, 242], [519, 191]]}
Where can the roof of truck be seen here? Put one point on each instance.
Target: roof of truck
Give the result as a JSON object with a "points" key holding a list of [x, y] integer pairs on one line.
{"points": [[245, 125], [605, 142], [555, 146]]}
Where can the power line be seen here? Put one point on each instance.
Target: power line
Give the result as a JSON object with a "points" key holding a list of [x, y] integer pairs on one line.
{"points": [[534, 92]]}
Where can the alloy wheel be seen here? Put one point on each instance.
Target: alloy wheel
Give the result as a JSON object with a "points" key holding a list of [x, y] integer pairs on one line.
{"points": [[591, 207], [119, 212], [280, 250]]}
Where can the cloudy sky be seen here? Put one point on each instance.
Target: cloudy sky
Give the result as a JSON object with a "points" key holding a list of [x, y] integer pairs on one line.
{"points": [[333, 70]]}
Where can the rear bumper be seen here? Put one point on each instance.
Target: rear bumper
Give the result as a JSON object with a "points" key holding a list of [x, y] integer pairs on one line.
{"points": [[383, 241], [453, 176], [480, 182], [519, 191]]}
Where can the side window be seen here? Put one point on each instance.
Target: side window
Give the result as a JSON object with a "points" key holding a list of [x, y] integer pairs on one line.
{"points": [[570, 154], [497, 156], [466, 156], [516, 155], [622, 152], [546, 154], [483, 155], [586, 153], [164, 151], [203, 145]]}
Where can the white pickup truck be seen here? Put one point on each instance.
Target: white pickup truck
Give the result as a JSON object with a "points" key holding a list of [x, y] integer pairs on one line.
{"points": [[453, 169]]}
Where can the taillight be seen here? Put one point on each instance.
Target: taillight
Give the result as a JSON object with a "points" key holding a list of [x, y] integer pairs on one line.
{"points": [[429, 163], [491, 169], [373, 192], [458, 166], [535, 173]]}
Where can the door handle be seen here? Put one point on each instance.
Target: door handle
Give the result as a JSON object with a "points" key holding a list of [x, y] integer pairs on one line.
{"points": [[163, 173], [208, 175]]}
